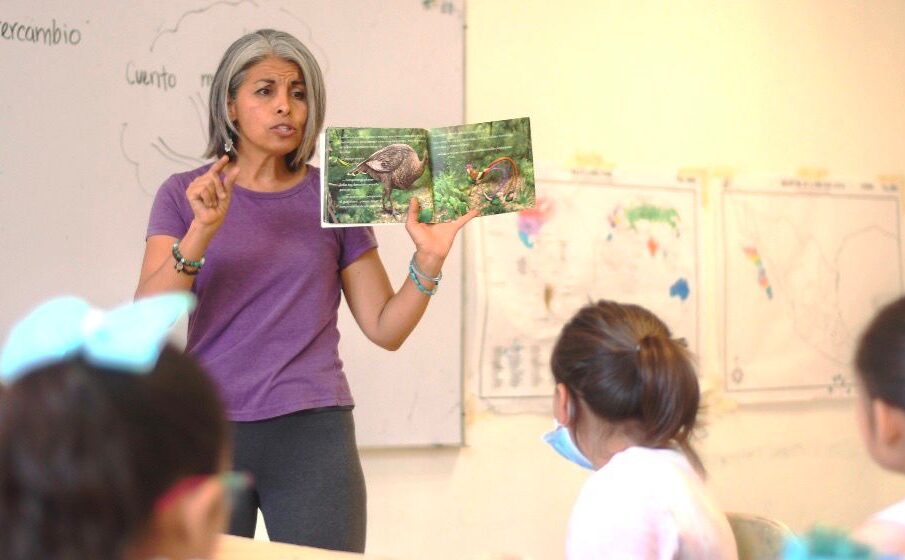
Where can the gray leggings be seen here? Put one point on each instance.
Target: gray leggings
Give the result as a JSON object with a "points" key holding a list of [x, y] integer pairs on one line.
{"points": [[308, 479]]}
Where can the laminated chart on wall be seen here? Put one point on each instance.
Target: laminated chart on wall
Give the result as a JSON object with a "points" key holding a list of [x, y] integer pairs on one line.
{"points": [[806, 264], [588, 238]]}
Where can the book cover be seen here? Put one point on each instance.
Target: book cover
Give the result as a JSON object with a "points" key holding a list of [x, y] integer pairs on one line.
{"points": [[370, 174]]}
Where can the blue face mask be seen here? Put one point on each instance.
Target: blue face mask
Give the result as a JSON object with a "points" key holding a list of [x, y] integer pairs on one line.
{"points": [[560, 440]]}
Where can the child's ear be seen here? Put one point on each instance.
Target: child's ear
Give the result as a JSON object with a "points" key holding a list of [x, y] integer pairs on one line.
{"points": [[201, 515], [562, 404], [889, 433], [887, 428], [205, 509]]}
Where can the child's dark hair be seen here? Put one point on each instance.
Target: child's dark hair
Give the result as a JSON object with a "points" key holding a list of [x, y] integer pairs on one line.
{"points": [[85, 452], [621, 360], [880, 356]]}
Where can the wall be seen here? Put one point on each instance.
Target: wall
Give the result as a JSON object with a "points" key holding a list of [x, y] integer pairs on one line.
{"points": [[767, 86]]}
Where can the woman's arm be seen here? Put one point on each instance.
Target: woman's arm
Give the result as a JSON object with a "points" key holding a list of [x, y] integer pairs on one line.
{"points": [[209, 197], [385, 317], [158, 270]]}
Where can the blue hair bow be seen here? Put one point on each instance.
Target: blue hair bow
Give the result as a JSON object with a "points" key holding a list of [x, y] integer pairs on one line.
{"points": [[127, 338]]}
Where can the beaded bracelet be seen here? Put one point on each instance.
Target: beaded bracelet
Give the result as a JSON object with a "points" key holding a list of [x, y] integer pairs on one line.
{"points": [[182, 262], [414, 274], [414, 268]]}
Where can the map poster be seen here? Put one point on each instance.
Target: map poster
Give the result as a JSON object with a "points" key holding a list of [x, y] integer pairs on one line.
{"points": [[805, 266], [588, 238]]}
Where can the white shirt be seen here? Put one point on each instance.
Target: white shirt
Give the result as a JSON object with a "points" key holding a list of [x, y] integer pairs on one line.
{"points": [[893, 514], [885, 531], [648, 504]]}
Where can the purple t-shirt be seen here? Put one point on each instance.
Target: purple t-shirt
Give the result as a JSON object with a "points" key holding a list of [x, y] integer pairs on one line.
{"points": [[265, 324]]}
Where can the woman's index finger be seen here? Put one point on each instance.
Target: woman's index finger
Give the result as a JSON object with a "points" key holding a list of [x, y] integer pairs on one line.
{"points": [[218, 165], [230, 178]]}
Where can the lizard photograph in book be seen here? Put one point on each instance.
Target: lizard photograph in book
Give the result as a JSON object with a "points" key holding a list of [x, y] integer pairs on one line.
{"points": [[371, 173]]}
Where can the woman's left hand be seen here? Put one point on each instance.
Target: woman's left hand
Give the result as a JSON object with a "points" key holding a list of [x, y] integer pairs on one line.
{"points": [[433, 241]]}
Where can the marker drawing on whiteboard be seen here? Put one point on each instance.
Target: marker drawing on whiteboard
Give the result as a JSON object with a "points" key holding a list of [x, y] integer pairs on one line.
{"points": [[201, 110], [52, 35], [175, 28], [308, 39], [174, 156], [122, 148]]}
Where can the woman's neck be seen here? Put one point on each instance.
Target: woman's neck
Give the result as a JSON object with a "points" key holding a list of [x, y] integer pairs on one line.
{"points": [[267, 173]]}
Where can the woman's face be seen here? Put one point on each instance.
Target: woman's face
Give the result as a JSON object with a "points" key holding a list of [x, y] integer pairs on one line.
{"points": [[270, 108]]}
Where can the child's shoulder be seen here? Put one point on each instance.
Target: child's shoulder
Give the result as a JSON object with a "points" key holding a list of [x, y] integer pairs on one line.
{"points": [[893, 514], [642, 471], [646, 461], [885, 530]]}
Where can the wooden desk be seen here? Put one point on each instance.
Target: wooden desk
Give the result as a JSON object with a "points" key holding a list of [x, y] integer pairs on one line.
{"points": [[240, 548]]}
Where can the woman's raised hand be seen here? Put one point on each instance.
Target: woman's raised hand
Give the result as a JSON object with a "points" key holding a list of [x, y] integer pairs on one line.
{"points": [[433, 241], [210, 194]]}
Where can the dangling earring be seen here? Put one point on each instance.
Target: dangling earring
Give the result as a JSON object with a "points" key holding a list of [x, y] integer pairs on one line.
{"points": [[228, 146]]}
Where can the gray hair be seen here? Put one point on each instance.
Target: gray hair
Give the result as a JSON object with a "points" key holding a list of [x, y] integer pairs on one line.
{"points": [[242, 55]]}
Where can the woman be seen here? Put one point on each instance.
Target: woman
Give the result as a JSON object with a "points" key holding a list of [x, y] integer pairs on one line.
{"points": [[243, 234]]}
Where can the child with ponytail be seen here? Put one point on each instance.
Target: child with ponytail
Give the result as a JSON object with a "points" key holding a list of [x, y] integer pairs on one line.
{"points": [[626, 402]]}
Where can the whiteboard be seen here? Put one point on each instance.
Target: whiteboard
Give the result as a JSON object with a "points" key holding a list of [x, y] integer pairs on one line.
{"points": [[102, 100]]}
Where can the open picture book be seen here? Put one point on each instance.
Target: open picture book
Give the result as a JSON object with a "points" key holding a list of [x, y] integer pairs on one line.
{"points": [[370, 174]]}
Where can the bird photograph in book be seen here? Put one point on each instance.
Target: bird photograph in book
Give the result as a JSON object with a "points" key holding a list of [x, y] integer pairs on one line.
{"points": [[371, 174]]}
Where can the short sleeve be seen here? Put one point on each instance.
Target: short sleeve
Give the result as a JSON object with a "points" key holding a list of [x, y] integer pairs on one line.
{"points": [[355, 241], [169, 211]]}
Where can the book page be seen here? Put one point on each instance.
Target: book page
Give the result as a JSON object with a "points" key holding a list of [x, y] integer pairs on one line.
{"points": [[485, 165], [371, 174]]}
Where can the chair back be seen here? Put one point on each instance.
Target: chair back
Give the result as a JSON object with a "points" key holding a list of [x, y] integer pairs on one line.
{"points": [[758, 538]]}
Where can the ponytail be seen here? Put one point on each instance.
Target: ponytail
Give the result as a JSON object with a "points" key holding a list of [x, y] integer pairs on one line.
{"points": [[620, 359], [669, 395]]}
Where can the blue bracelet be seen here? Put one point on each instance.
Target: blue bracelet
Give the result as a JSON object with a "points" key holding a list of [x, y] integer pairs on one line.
{"points": [[414, 268], [414, 273]]}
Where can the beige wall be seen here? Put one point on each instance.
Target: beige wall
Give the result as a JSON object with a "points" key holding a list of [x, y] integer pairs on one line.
{"points": [[765, 86]]}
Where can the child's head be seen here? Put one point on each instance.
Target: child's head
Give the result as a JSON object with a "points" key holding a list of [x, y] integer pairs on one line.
{"points": [[880, 366], [618, 365], [100, 456]]}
